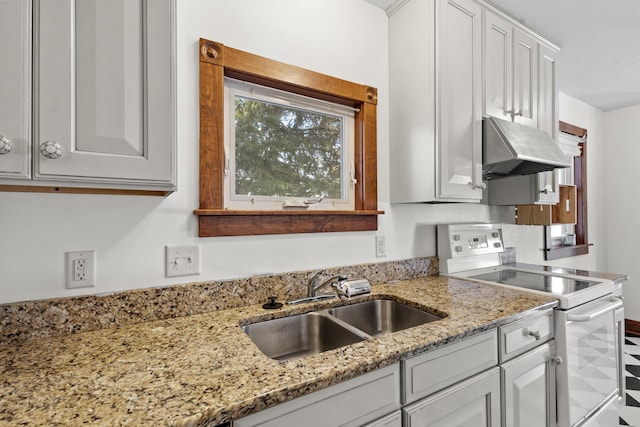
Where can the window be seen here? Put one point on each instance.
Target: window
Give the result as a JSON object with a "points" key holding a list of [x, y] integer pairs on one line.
{"points": [[286, 150], [577, 174], [230, 183]]}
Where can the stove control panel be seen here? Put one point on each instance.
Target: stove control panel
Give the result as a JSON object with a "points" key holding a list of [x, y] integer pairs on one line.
{"points": [[464, 240]]}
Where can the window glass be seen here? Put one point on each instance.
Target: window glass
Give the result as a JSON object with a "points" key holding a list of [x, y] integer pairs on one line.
{"points": [[285, 147]]}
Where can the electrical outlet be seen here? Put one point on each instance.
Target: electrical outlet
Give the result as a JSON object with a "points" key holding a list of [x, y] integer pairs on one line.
{"points": [[381, 246], [80, 269], [182, 260]]}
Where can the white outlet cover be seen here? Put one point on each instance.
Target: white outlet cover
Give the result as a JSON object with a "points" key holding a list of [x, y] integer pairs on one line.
{"points": [[182, 260], [90, 268]]}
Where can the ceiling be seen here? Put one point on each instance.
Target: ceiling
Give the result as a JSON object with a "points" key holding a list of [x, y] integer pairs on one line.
{"points": [[600, 40]]}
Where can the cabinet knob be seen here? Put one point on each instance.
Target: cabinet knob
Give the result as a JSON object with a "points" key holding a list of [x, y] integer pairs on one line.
{"points": [[5, 145], [557, 360], [481, 186], [51, 149]]}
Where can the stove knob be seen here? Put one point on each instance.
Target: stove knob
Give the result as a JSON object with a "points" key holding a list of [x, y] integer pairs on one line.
{"points": [[458, 248], [497, 245]]}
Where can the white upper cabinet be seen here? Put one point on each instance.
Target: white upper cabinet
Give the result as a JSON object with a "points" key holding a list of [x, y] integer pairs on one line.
{"points": [[525, 79], [548, 113], [520, 85], [15, 89], [436, 102], [510, 72], [103, 95]]}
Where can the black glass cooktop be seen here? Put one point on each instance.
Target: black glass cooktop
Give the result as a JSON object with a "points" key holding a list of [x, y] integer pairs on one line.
{"points": [[538, 282]]}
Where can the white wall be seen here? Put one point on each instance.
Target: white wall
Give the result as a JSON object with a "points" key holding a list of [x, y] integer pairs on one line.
{"points": [[622, 199], [344, 38]]}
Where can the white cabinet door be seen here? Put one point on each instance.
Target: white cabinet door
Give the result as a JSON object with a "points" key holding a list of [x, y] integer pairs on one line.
{"points": [[436, 101], [525, 79], [510, 72], [548, 114], [459, 96], [548, 188], [105, 91], [529, 389], [471, 403], [498, 66], [393, 420], [15, 88]]}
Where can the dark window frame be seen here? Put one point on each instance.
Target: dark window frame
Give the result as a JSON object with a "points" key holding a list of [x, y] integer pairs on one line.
{"points": [[580, 181]]}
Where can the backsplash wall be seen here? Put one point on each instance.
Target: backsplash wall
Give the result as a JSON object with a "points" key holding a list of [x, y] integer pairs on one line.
{"points": [[39, 319]]}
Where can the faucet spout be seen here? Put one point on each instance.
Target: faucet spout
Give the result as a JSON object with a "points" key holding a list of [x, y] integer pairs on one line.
{"points": [[315, 286]]}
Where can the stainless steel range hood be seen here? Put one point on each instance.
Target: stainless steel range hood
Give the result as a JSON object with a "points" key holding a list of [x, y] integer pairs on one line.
{"points": [[511, 149]]}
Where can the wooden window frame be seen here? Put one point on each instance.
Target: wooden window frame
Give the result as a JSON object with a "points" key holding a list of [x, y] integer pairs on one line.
{"points": [[580, 180], [218, 61]]}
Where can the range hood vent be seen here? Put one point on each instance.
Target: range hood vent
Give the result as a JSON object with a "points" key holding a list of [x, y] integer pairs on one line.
{"points": [[511, 149]]}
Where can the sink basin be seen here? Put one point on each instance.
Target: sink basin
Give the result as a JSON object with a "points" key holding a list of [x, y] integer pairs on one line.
{"points": [[312, 333], [301, 335], [379, 317]]}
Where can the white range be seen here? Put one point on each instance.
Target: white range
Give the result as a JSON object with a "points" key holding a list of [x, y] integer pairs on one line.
{"points": [[589, 320]]}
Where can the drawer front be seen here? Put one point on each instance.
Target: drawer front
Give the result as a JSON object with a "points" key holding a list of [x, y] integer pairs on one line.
{"points": [[518, 337], [352, 403], [435, 370]]}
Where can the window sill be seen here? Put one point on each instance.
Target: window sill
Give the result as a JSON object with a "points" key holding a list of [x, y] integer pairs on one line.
{"points": [[566, 251], [215, 222]]}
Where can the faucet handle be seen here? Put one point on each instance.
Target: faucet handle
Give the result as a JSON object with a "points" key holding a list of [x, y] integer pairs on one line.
{"points": [[316, 275]]}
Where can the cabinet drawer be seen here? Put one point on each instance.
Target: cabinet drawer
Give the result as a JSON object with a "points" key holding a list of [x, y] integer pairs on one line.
{"points": [[520, 336], [435, 370], [352, 403]]}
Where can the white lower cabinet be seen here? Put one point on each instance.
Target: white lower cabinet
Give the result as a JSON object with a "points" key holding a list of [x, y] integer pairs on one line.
{"points": [[471, 403], [355, 402], [504, 377], [528, 389], [391, 420]]}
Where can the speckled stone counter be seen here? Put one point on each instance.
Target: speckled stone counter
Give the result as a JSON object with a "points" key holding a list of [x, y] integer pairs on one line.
{"points": [[202, 370]]}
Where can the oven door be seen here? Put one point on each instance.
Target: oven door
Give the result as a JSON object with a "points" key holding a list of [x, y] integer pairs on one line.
{"points": [[587, 377]]}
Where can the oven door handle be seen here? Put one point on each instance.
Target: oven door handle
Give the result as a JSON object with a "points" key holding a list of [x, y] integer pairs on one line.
{"points": [[599, 311]]}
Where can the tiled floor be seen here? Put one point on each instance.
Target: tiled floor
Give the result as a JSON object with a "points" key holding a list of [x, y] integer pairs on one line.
{"points": [[630, 413]]}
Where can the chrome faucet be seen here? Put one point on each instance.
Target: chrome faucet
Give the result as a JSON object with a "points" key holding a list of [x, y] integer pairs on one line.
{"points": [[314, 285]]}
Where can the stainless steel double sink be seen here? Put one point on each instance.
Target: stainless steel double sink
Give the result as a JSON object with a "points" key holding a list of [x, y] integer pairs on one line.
{"points": [[318, 331]]}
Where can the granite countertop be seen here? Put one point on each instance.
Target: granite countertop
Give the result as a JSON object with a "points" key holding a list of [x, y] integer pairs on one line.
{"points": [[203, 370]]}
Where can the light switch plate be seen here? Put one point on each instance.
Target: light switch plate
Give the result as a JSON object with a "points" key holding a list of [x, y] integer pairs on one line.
{"points": [[182, 260]]}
